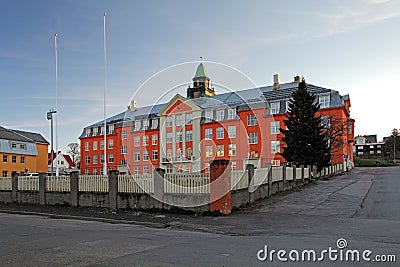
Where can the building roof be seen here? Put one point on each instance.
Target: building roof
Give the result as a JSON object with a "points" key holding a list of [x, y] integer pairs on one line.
{"points": [[201, 72], [52, 156], [22, 136]]}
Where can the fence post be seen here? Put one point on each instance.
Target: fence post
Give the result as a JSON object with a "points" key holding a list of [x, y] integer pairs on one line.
{"points": [[314, 172], [309, 167], [113, 189], [42, 188], [294, 175], [284, 175], [159, 183], [269, 177], [74, 184], [14, 187], [302, 173], [250, 172], [220, 186]]}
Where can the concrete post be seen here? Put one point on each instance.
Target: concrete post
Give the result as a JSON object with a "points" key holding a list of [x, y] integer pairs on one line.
{"points": [[302, 173], [74, 187], [309, 167], [314, 172], [284, 175], [294, 175], [220, 186], [159, 183], [14, 187], [42, 188], [113, 189], [250, 172], [269, 177]]}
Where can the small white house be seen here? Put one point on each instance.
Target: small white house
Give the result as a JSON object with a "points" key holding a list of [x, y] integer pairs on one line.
{"points": [[65, 163]]}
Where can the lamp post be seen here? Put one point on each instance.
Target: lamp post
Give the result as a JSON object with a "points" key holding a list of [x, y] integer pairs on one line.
{"points": [[395, 133], [50, 117]]}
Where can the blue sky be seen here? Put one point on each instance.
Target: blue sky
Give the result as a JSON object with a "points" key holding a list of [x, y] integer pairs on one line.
{"points": [[349, 46]]}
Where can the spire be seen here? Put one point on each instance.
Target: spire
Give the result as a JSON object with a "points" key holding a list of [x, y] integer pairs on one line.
{"points": [[201, 72], [201, 83]]}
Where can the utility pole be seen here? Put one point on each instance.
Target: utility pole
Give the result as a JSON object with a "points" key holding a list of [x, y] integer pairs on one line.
{"points": [[50, 117]]}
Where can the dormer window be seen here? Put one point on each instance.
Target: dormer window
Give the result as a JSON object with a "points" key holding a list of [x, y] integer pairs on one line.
{"points": [[110, 129], [138, 125], [275, 106], [87, 132], [324, 101]]}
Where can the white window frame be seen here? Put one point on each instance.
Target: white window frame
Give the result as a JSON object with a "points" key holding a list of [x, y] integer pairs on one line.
{"points": [[87, 146], [208, 133], [253, 138], [111, 158], [145, 140], [219, 132], [188, 118], [231, 114], [154, 155], [275, 147], [208, 151], [220, 114], [154, 139], [170, 137], [168, 122], [189, 135], [275, 126], [232, 131], [136, 141], [124, 149], [232, 150], [146, 155], [323, 101], [178, 120], [251, 119], [275, 107], [123, 135], [220, 150]]}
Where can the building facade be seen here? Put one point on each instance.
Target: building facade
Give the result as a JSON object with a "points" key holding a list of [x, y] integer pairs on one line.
{"points": [[186, 133], [22, 152], [367, 147]]}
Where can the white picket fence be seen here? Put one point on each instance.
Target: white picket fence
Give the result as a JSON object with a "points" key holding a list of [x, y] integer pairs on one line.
{"points": [[5, 183], [93, 183], [277, 174], [136, 184], [260, 176], [187, 183], [239, 179], [58, 184], [28, 183]]}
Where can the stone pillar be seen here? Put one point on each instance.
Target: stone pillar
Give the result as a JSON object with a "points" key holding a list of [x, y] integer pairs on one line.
{"points": [[14, 187], [284, 175], [220, 186], [74, 187], [250, 172], [294, 175], [309, 167], [302, 173], [314, 172], [159, 184], [269, 179], [42, 188], [113, 189]]}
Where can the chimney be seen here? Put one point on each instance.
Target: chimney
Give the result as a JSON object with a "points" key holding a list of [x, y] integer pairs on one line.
{"points": [[276, 82], [297, 79]]}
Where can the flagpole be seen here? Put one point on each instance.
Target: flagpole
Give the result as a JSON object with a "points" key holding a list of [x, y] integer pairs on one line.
{"points": [[105, 114], [56, 58]]}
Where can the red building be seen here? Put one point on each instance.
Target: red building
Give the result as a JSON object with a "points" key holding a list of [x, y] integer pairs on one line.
{"points": [[185, 134]]}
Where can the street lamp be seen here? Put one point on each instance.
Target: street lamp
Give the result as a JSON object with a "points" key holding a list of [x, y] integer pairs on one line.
{"points": [[395, 133], [50, 117]]}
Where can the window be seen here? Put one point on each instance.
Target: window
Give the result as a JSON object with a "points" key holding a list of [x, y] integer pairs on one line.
{"points": [[233, 165], [209, 151], [189, 136], [5, 173], [325, 122], [275, 107], [178, 136], [102, 158], [145, 155], [349, 127], [220, 133], [123, 149], [94, 171], [87, 132], [138, 125], [287, 108], [137, 170], [276, 162], [145, 140], [123, 162], [169, 137], [188, 118], [87, 171], [379, 146], [275, 147], [87, 159], [94, 145], [5, 158], [169, 153], [379, 152], [102, 145], [14, 159], [123, 134], [169, 122], [232, 150], [102, 130], [208, 132], [87, 146], [208, 116], [231, 114], [18, 146], [371, 147], [189, 152], [360, 147], [232, 131], [251, 120], [95, 159], [168, 169], [178, 120], [275, 125], [154, 155], [360, 152], [154, 139], [110, 158], [111, 143], [324, 101], [220, 115], [220, 151], [22, 159], [110, 129], [253, 138], [178, 152], [145, 169], [137, 156], [146, 124], [154, 123], [136, 141]]}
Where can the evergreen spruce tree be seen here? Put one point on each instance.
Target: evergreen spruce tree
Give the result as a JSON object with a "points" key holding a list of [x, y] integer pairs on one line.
{"points": [[305, 139]]}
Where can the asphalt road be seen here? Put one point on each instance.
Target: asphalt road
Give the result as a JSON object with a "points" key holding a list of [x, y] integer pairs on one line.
{"points": [[362, 207]]}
